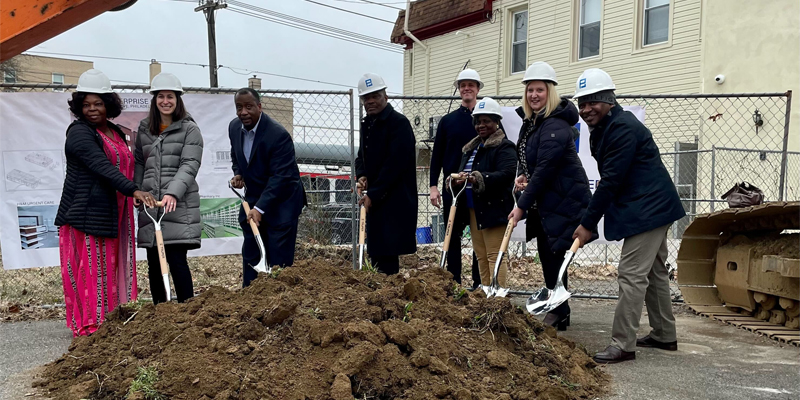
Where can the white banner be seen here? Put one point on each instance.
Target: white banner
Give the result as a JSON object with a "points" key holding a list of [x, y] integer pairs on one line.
{"points": [[32, 163], [512, 122]]}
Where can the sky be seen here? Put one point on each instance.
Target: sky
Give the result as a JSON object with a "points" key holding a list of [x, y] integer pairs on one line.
{"points": [[170, 30]]}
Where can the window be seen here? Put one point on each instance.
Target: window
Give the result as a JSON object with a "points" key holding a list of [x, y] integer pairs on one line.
{"points": [[10, 76], [58, 79], [589, 29], [656, 22], [519, 41]]}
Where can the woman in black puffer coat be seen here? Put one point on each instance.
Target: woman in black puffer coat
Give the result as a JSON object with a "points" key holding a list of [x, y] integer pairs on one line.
{"points": [[488, 166], [557, 192]]}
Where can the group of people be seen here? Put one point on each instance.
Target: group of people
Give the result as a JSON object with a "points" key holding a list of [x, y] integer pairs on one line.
{"points": [[540, 179], [109, 174]]}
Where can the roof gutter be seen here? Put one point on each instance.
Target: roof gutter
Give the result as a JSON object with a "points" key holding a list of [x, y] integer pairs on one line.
{"points": [[419, 43]]}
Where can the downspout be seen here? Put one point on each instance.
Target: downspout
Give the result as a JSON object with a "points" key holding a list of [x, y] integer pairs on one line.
{"points": [[419, 43]]}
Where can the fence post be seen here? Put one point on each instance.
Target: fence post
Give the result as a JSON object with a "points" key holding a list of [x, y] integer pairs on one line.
{"points": [[784, 154], [713, 176], [354, 208]]}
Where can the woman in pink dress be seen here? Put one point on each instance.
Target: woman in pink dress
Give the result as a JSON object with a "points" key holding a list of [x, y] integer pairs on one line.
{"points": [[95, 216]]}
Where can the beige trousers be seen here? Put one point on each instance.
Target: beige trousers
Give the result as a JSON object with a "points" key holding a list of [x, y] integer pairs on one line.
{"points": [[486, 244], [643, 277]]}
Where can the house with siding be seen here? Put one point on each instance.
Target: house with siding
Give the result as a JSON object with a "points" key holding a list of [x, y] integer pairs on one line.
{"points": [[649, 47]]}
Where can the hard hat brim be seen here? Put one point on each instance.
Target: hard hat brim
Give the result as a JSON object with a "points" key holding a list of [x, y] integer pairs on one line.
{"points": [[526, 80], [371, 90], [587, 92], [458, 81]]}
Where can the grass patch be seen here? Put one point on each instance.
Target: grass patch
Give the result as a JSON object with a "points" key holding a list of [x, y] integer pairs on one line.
{"points": [[458, 291], [407, 311], [146, 378]]}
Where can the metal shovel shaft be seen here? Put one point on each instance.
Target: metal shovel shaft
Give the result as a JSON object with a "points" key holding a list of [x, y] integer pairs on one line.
{"points": [[496, 289]]}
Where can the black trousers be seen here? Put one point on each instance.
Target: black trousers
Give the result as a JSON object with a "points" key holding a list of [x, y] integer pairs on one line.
{"points": [[178, 268], [388, 265], [454, 265], [551, 263], [279, 242]]}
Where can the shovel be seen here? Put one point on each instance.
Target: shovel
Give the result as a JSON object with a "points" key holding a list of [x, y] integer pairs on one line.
{"points": [[450, 220], [162, 254], [262, 265], [546, 300], [495, 289], [362, 233]]}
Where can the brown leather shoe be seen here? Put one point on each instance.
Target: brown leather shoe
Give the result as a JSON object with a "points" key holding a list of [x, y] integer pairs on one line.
{"points": [[647, 341], [613, 355]]}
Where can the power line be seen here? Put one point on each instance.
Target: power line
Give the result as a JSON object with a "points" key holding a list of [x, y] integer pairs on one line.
{"points": [[335, 36], [375, 3], [311, 24], [351, 12], [194, 64], [327, 30]]}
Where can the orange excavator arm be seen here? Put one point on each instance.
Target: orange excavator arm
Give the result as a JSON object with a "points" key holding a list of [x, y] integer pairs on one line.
{"points": [[28, 23]]}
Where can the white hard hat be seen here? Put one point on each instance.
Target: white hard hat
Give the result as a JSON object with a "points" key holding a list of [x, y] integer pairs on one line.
{"points": [[469, 75], [487, 105], [540, 71], [370, 83], [591, 81], [165, 81], [94, 81]]}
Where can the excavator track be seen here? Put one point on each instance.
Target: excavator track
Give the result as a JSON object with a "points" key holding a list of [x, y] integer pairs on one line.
{"points": [[742, 266]]}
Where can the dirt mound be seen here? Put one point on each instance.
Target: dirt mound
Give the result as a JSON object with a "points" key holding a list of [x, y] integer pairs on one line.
{"points": [[322, 332]]}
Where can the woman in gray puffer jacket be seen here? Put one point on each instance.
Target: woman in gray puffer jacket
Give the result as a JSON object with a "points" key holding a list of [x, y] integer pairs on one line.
{"points": [[169, 148]]}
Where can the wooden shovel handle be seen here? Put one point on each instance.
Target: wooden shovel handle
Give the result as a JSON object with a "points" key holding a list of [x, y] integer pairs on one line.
{"points": [[507, 236], [362, 225], [253, 225], [449, 232], [575, 245], [162, 253]]}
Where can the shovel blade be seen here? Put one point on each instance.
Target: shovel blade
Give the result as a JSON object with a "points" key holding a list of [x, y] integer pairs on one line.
{"points": [[167, 290], [501, 292], [538, 301], [261, 267], [488, 290]]}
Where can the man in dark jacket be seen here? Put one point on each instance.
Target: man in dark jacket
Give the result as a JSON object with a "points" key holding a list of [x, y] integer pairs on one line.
{"points": [[263, 160], [386, 169], [454, 131], [640, 202]]}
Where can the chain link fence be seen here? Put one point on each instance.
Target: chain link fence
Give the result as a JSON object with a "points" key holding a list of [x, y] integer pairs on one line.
{"points": [[708, 143]]}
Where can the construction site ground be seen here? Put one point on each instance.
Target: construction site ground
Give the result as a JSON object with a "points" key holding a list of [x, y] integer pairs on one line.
{"points": [[714, 361]]}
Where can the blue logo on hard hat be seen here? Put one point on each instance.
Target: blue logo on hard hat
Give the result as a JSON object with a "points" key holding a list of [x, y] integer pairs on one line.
{"points": [[582, 83], [481, 105], [369, 82]]}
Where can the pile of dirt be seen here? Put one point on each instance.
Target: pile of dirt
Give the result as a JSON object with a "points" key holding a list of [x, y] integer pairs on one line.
{"points": [[785, 245], [316, 331]]}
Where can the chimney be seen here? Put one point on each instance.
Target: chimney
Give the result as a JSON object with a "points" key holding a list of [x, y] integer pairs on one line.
{"points": [[155, 68], [254, 83]]}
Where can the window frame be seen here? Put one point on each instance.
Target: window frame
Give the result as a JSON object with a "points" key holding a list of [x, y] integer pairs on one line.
{"points": [[53, 78], [12, 73], [644, 20], [512, 42], [637, 42], [579, 27]]}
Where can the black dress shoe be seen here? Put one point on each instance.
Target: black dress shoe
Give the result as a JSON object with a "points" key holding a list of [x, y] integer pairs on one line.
{"points": [[647, 341], [613, 355], [560, 322]]}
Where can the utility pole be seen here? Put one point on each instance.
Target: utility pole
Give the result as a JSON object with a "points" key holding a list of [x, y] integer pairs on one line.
{"points": [[208, 7]]}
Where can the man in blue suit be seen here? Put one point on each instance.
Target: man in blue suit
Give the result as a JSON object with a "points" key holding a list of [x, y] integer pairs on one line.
{"points": [[263, 158]]}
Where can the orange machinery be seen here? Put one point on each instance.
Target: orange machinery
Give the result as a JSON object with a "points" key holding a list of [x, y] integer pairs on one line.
{"points": [[24, 24]]}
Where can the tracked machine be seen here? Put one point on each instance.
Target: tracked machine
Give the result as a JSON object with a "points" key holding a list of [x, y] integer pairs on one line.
{"points": [[742, 266]]}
